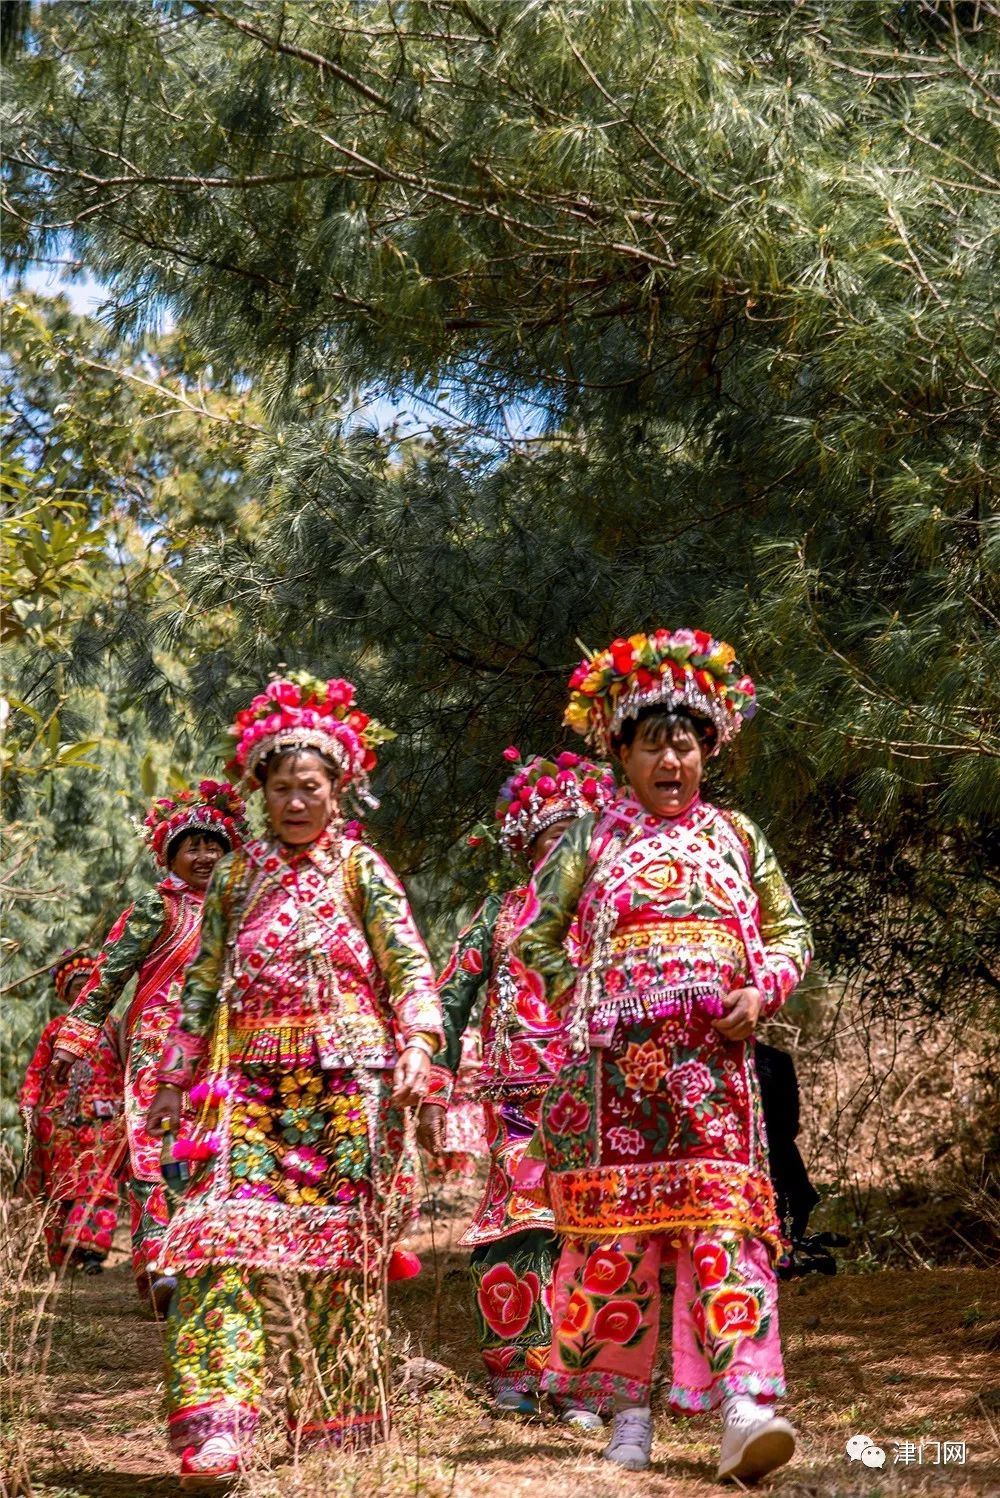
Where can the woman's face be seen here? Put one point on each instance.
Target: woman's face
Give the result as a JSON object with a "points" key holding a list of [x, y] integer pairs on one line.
{"points": [[665, 774], [300, 798], [73, 989], [542, 845], [194, 858]]}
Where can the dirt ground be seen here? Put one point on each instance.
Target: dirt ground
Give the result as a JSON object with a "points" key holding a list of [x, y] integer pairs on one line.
{"points": [[902, 1356]]}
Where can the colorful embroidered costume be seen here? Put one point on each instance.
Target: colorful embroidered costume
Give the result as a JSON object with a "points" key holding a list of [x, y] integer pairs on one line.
{"points": [[310, 979], [653, 1132], [511, 1236], [75, 1138], [465, 1142], [154, 941]]}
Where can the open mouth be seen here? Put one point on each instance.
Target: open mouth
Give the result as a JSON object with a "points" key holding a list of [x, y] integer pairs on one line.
{"points": [[669, 786]]}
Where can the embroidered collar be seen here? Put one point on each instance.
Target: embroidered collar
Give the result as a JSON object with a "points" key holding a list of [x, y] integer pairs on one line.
{"points": [[180, 886], [324, 851], [629, 811]]}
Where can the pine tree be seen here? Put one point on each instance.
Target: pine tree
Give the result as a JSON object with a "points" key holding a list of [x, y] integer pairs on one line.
{"points": [[739, 262]]}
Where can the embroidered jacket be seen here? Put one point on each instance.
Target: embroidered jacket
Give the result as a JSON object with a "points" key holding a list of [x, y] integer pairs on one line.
{"points": [[155, 938], [665, 911], [522, 1045], [315, 954], [77, 1133]]}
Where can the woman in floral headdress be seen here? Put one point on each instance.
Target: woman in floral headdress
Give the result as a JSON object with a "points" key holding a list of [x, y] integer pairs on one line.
{"points": [[653, 1132], [154, 940], [513, 1245], [310, 1016], [74, 1139]]}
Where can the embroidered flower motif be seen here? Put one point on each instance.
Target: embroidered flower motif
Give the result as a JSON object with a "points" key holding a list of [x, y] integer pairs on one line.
{"points": [[625, 1140], [577, 1317], [499, 1359], [732, 1314], [711, 1264], [643, 1066], [568, 1115], [618, 1321], [472, 961], [523, 1059], [507, 1301], [605, 1271], [690, 1083]]}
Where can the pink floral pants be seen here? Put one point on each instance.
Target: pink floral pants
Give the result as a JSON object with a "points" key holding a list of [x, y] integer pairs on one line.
{"points": [[606, 1319]]}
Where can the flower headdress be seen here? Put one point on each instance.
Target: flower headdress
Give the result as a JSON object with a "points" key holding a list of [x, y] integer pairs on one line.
{"points": [[209, 806], [70, 965], [543, 791], [684, 668], [299, 711]]}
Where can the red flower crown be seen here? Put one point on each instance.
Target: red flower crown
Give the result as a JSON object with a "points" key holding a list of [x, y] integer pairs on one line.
{"points": [[686, 668], [542, 791], [299, 711], [210, 806]]}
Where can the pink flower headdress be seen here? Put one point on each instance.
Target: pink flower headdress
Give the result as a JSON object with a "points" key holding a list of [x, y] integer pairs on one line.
{"points": [[299, 711], [543, 791], [208, 806], [684, 668]]}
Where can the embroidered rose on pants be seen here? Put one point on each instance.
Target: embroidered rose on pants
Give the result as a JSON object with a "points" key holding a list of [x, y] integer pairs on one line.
{"points": [[732, 1314], [506, 1301], [690, 1083], [618, 1321], [577, 1317], [711, 1264], [606, 1271]]}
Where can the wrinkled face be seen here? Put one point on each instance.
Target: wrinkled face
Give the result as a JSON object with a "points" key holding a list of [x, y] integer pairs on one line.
{"points": [[194, 858], [542, 845], [664, 772], [300, 796]]}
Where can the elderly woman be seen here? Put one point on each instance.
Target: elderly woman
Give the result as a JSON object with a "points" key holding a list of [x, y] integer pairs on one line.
{"points": [[653, 1132], [153, 941], [513, 1245], [310, 1016], [74, 1139]]}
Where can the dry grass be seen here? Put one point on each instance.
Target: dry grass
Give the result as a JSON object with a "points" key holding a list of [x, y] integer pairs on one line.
{"points": [[901, 1346], [897, 1355]]}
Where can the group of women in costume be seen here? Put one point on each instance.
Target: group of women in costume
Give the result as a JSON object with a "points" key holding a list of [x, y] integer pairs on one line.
{"points": [[288, 1028]]}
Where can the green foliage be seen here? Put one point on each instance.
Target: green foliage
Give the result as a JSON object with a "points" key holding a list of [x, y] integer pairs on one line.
{"points": [[739, 263]]}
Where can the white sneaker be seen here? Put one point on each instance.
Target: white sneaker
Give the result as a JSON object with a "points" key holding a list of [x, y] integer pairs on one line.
{"points": [[578, 1417], [631, 1440], [754, 1442]]}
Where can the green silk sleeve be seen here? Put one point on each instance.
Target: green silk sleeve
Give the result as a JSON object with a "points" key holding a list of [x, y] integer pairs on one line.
{"points": [[784, 929], [128, 944], [399, 949], [200, 998], [551, 904], [467, 969]]}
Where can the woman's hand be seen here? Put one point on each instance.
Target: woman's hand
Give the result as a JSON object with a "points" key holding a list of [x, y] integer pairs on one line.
{"points": [[430, 1128], [742, 1008], [59, 1066], [165, 1108], [410, 1077]]}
